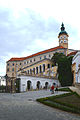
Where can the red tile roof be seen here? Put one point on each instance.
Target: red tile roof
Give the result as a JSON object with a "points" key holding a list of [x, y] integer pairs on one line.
{"points": [[72, 53], [39, 53]]}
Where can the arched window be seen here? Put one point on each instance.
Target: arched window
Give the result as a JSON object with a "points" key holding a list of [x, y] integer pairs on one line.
{"points": [[36, 70], [30, 71], [43, 67], [33, 70], [12, 69], [48, 66], [40, 68]]}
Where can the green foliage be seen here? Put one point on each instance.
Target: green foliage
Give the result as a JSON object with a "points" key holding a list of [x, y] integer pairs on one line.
{"points": [[54, 101], [2, 88], [64, 89], [64, 68]]}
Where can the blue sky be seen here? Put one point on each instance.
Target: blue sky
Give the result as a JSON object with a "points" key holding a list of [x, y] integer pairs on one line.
{"points": [[30, 26]]}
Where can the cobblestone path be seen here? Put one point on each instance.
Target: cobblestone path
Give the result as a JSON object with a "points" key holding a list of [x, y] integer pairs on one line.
{"points": [[23, 106]]}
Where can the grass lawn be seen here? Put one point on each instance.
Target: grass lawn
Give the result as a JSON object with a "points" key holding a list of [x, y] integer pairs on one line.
{"points": [[68, 102], [64, 89], [73, 100]]}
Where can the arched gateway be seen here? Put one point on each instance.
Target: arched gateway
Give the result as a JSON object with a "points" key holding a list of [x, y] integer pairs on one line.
{"points": [[28, 84], [38, 84]]}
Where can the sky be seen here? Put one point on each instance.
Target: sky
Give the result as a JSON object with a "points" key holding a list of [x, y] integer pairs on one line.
{"points": [[31, 26]]}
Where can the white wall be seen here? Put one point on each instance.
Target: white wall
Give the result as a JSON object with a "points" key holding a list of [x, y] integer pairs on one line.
{"points": [[24, 79], [76, 59], [2, 81]]}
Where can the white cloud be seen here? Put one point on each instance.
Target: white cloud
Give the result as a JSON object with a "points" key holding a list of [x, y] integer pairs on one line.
{"points": [[30, 26]]}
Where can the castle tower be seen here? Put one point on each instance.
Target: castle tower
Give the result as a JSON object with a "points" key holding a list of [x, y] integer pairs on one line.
{"points": [[63, 37]]}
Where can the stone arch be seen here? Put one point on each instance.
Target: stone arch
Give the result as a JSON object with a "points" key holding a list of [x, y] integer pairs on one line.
{"points": [[46, 85], [28, 84], [38, 84]]}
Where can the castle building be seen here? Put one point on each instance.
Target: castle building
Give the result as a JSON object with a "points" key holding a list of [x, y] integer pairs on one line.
{"points": [[39, 65], [76, 68]]}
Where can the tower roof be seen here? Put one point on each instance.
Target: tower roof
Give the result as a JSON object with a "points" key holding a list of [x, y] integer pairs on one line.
{"points": [[63, 30]]}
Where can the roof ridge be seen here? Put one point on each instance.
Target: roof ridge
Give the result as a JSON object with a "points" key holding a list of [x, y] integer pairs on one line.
{"points": [[38, 53]]}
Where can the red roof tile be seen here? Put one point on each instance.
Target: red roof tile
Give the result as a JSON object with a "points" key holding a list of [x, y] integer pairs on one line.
{"points": [[72, 53], [39, 53]]}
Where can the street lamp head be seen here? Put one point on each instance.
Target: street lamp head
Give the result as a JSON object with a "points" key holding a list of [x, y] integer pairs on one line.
{"points": [[6, 76]]}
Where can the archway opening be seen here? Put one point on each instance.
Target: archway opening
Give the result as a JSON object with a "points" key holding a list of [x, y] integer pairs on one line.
{"points": [[46, 85], [38, 84], [28, 84]]}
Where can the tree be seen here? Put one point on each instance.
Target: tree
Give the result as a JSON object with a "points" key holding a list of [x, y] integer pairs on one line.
{"points": [[64, 68]]}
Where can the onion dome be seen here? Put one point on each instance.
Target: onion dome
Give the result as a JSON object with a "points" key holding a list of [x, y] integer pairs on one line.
{"points": [[63, 30]]}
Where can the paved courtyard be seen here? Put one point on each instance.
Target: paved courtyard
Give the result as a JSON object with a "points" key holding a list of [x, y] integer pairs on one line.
{"points": [[23, 106]]}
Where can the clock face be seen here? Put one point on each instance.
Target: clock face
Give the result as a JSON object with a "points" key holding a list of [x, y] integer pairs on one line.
{"points": [[61, 41], [65, 41]]}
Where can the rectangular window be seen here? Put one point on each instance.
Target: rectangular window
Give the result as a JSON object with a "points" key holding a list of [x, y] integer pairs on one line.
{"points": [[13, 64], [20, 63], [24, 62], [30, 60], [12, 69], [8, 64], [44, 56], [49, 55], [28, 71], [34, 60], [40, 58], [7, 69]]}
